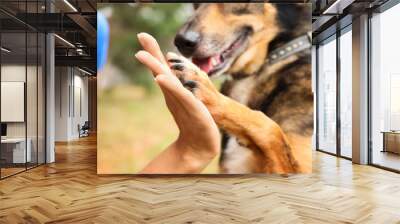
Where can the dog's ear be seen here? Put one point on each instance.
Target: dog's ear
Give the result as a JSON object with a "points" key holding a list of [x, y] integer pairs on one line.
{"points": [[196, 5], [292, 17]]}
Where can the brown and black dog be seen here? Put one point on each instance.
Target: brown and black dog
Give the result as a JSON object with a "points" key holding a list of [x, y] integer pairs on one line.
{"points": [[264, 110]]}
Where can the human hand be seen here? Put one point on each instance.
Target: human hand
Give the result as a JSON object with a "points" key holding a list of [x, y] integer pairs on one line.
{"points": [[199, 139], [197, 81]]}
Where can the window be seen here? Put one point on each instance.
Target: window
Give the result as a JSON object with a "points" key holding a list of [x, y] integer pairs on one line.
{"points": [[346, 74], [15, 150], [327, 95], [385, 89], [22, 78]]}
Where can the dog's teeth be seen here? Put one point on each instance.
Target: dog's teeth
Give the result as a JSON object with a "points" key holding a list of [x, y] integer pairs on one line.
{"points": [[214, 62]]}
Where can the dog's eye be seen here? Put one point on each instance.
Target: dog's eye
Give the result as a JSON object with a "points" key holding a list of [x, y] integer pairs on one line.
{"points": [[196, 5], [241, 11]]}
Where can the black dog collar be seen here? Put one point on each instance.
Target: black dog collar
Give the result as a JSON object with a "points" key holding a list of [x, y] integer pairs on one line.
{"points": [[299, 44]]}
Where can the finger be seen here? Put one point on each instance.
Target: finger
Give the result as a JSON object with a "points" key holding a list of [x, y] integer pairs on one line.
{"points": [[152, 63], [183, 105], [174, 87], [178, 111], [170, 83], [149, 43], [170, 100], [178, 99]]}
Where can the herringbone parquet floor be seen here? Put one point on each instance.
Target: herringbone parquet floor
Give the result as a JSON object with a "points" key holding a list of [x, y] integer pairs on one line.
{"points": [[69, 191]]}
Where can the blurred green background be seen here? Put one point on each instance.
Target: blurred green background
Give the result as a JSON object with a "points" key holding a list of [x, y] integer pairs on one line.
{"points": [[134, 123], [126, 20]]}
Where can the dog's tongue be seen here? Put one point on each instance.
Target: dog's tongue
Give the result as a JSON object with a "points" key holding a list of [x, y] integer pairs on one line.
{"points": [[207, 64]]}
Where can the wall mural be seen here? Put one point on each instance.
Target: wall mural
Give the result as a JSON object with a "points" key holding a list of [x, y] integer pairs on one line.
{"points": [[205, 88]]}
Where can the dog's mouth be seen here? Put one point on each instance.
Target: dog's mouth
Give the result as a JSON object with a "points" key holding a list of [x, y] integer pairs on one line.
{"points": [[221, 61]]}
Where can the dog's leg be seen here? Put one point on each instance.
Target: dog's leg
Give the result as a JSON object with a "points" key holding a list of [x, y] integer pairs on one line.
{"points": [[252, 128], [255, 129]]}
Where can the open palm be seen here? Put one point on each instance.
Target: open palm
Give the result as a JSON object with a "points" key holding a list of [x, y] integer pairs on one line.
{"points": [[199, 139]]}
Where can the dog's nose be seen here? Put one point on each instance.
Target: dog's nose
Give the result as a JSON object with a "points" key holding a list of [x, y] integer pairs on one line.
{"points": [[186, 42]]}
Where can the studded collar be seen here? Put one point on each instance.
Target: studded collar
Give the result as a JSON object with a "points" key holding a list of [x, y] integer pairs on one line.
{"points": [[296, 45]]}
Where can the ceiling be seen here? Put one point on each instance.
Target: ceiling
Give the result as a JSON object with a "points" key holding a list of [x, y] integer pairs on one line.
{"points": [[74, 22], [331, 15]]}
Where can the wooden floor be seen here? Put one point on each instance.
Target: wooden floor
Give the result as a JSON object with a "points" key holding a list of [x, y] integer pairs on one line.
{"points": [[388, 159], [10, 171], [69, 191]]}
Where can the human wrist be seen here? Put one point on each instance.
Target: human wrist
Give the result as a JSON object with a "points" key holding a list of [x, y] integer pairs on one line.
{"points": [[195, 158]]}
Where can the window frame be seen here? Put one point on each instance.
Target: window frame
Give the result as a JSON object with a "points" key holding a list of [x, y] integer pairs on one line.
{"points": [[29, 29], [339, 32], [378, 10]]}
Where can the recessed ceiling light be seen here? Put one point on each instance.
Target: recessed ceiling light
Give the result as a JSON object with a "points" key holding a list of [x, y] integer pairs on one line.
{"points": [[337, 7], [65, 41], [70, 5], [84, 71], [5, 50]]}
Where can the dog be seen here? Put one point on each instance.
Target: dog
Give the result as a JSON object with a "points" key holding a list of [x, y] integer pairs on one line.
{"points": [[265, 107]]}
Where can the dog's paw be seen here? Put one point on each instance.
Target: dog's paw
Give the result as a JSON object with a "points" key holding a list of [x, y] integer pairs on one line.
{"points": [[193, 78]]}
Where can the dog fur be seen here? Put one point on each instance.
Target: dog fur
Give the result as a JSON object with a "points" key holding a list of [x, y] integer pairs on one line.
{"points": [[265, 111]]}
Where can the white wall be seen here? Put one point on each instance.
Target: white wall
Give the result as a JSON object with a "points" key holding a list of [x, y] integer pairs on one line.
{"points": [[62, 82], [33, 126], [16, 73], [12, 100], [71, 94], [80, 110]]}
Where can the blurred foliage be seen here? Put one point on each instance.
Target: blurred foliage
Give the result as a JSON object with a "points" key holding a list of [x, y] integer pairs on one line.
{"points": [[127, 20], [135, 126]]}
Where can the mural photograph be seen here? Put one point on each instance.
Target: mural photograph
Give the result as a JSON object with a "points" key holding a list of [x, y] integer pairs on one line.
{"points": [[205, 89]]}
